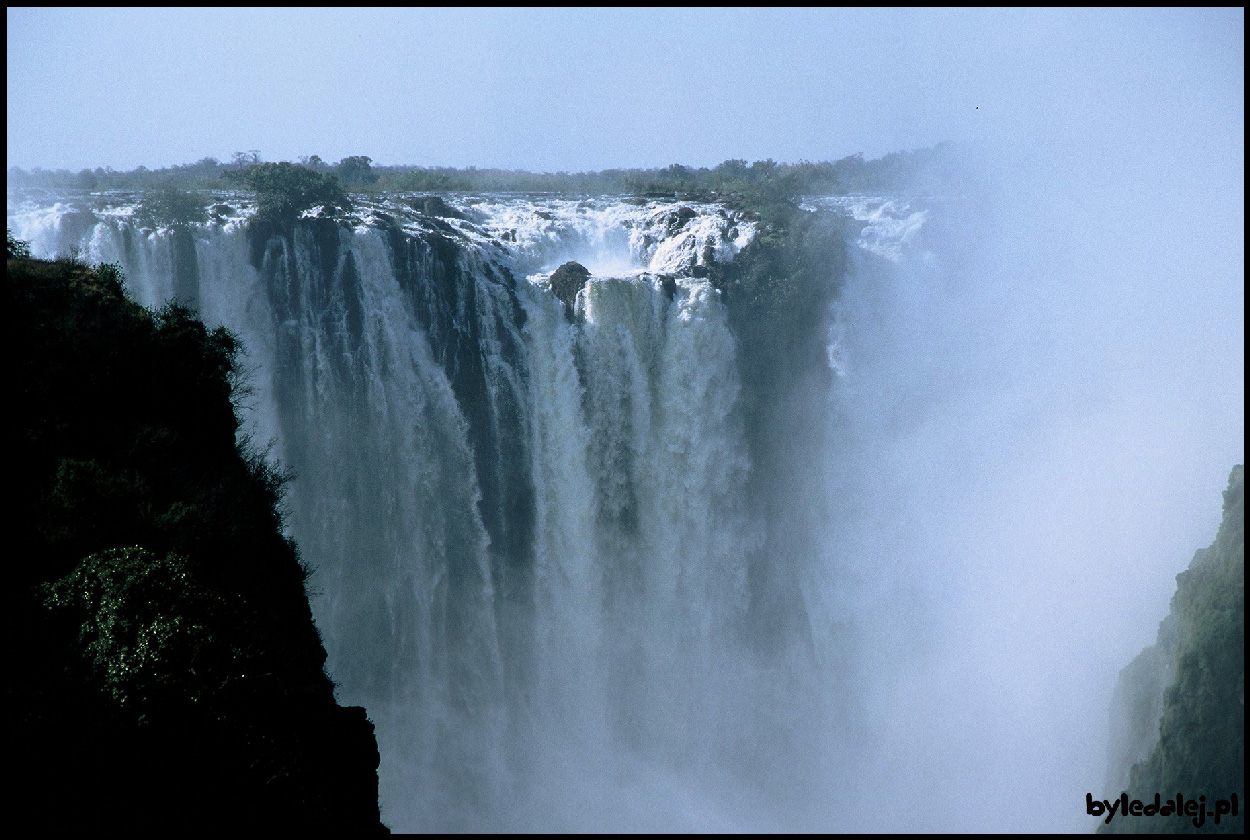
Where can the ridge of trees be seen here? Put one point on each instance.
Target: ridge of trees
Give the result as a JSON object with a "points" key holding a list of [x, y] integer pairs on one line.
{"points": [[358, 173]]}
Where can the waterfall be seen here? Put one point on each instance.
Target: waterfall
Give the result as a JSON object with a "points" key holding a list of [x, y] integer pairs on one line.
{"points": [[530, 531]]}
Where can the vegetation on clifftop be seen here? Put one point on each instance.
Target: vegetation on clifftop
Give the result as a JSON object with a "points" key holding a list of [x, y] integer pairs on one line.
{"points": [[171, 207], [284, 190], [923, 168]]}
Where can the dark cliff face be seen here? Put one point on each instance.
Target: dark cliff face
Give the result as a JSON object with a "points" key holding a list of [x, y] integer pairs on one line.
{"points": [[1179, 713], [778, 292], [166, 672], [567, 281]]}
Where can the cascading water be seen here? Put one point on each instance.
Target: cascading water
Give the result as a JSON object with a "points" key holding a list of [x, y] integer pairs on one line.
{"points": [[531, 533]]}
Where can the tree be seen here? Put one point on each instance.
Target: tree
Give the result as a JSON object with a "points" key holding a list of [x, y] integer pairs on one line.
{"points": [[356, 170], [284, 190], [171, 207], [248, 158], [18, 250]]}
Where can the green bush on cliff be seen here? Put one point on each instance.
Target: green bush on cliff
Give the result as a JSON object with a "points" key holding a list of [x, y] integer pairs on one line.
{"points": [[171, 207], [356, 171], [135, 612], [17, 249], [285, 190]]}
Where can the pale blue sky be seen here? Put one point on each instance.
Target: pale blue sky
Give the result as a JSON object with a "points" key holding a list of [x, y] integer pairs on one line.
{"points": [[589, 89]]}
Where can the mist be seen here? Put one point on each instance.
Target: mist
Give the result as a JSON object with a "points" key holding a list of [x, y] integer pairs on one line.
{"points": [[1038, 422]]}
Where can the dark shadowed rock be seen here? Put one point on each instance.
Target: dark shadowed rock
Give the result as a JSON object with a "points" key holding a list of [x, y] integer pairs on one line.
{"points": [[668, 284], [567, 281], [679, 218], [435, 206]]}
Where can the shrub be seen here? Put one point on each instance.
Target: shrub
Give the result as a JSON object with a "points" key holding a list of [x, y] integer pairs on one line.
{"points": [[284, 190], [357, 171], [171, 207], [18, 250]]}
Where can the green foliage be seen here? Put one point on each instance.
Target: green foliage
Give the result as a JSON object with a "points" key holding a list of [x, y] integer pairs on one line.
{"points": [[171, 207], [136, 417], [285, 190], [765, 181], [136, 613], [314, 162], [71, 257], [17, 249], [1201, 732], [112, 277], [157, 637], [356, 171], [753, 181]]}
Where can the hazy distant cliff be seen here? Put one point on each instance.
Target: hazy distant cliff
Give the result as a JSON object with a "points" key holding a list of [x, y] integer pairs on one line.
{"points": [[165, 671], [1179, 709]]}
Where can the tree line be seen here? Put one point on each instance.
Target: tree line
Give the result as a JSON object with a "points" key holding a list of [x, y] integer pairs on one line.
{"points": [[358, 173]]}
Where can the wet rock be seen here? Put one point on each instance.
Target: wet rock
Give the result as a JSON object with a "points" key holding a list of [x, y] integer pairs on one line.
{"points": [[567, 281], [433, 205]]}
